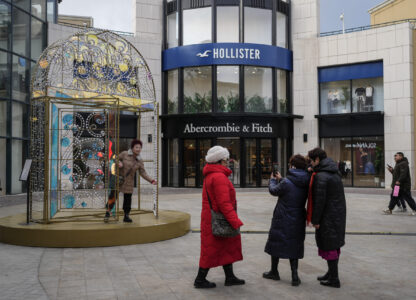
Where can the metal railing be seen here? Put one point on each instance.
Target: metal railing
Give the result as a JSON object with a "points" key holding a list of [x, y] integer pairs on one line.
{"points": [[362, 28]]}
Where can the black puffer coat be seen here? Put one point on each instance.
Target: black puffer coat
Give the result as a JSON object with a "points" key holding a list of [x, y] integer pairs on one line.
{"points": [[328, 206], [401, 174], [287, 232]]}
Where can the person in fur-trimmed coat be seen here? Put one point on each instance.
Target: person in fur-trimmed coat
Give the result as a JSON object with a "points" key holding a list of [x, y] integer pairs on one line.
{"points": [[218, 251]]}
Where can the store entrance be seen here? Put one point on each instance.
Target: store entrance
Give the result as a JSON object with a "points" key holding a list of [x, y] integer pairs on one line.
{"points": [[259, 161]]}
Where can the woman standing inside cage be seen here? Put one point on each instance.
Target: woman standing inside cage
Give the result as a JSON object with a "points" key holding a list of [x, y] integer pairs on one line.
{"points": [[129, 162], [218, 192]]}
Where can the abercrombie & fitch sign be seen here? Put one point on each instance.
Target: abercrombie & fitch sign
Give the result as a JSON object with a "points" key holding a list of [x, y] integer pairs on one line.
{"points": [[228, 128]]}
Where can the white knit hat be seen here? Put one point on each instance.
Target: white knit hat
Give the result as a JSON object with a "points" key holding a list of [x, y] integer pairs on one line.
{"points": [[217, 153]]}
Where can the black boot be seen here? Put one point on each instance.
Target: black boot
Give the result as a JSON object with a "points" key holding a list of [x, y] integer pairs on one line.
{"points": [[273, 273], [333, 280], [230, 278], [127, 218], [294, 268], [326, 276], [200, 280]]}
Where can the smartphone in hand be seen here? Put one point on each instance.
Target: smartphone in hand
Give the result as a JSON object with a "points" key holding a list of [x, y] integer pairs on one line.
{"points": [[276, 169]]}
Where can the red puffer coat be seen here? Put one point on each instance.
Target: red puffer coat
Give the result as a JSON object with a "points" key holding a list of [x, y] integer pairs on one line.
{"points": [[218, 251]]}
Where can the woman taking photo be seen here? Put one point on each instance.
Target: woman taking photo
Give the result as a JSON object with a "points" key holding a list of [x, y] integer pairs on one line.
{"points": [[287, 231], [129, 162], [218, 192]]}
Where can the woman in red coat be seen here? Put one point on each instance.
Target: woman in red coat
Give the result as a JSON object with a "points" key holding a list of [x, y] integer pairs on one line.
{"points": [[218, 251]]}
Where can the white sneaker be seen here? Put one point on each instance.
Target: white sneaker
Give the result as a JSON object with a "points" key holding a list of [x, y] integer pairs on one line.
{"points": [[413, 213], [387, 211]]}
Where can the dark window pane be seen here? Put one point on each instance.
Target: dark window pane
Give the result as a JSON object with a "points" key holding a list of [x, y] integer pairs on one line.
{"points": [[39, 8], [228, 96], [19, 80], [258, 89], [3, 117], [4, 75], [251, 161], [5, 25], [3, 166], [204, 145], [20, 31], [173, 172], [197, 89], [25, 4], [37, 44], [189, 159], [19, 119]]}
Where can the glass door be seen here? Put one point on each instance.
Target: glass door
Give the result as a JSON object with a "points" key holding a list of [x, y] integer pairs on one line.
{"points": [[266, 161], [251, 162], [233, 146], [204, 146], [189, 161]]}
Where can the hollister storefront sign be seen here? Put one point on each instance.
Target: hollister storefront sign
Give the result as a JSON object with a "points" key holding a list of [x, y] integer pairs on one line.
{"points": [[208, 126]]}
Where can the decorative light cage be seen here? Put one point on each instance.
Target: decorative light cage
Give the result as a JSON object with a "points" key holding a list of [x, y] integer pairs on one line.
{"points": [[80, 86]]}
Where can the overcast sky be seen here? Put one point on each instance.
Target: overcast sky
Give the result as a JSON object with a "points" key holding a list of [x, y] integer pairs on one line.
{"points": [[117, 15]]}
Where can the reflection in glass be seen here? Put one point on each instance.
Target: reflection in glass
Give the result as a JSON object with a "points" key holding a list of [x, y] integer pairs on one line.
{"points": [[258, 89], [189, 160], [173, 92], [335, 97], [4, 75], [51, 11], [39, 8], [20, 36], [266, 163], [339, 149], [36, 43], [173, 154], [228, 96], [281, 33], [19, 79], [197, 26], [204, 145], [197, 89], [173, 30], [5, 25], [251, 161], [19, 121], [17, 164], [3, 165], [368, 94], [282, 101], [368, 161], [3, 117], [233, 146], [25, 4], [257, 25], [227, 24]]}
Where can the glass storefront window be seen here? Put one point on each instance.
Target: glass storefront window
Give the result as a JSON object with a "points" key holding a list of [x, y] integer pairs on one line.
{"points": [[5, 25], [173, 92], [368, 161], [368, 94], [282, 155], [257, 25], [227, 24], [204, 145], [19, 119], [18, 150], [258, 89], [228, 96], [19, 79], [282, 101], [335, 97], [197, 89], [197, 26], [173, 173], [20, 36], [339, 149], [3, 117], [4, 75], [173, 30], [281, 32], [51, 11], [251, 161], [3, 165], [266, 163], [189, 160], [36, 42], [39, 8], [233, 146], [25, 4]]}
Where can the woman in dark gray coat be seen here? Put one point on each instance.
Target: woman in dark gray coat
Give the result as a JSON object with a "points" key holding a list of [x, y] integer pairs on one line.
{"points": [[287, 231]]}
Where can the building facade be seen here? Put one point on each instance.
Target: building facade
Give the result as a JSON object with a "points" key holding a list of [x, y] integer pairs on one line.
{"points": [[23, 36]]}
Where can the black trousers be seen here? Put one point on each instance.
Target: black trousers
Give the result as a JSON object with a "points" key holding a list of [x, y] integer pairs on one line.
{"points": [[405, 195], [126, 201]]}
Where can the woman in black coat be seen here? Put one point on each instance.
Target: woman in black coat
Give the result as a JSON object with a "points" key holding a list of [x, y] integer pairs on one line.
{"points": [[287, 231]]}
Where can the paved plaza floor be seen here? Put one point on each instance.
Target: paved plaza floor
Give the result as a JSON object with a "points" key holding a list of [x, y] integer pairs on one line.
{"points": [[377, 262]]}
